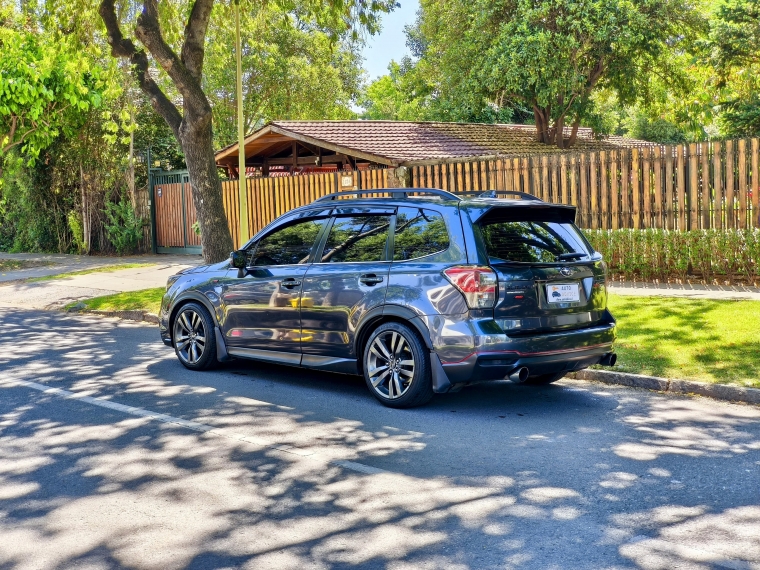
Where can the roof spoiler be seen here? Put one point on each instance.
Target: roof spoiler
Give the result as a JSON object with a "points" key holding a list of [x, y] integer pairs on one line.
{"points": [[528, 211]]}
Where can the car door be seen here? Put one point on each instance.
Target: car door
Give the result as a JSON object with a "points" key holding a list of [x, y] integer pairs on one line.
{"points": [[261, 309], [349, 277]]}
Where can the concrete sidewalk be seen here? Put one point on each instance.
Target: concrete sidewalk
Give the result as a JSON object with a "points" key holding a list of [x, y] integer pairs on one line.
{"points": [[56, 293], [64, 263], [725, 292]]}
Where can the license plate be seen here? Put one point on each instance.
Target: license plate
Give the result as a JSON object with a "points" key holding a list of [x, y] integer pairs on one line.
{"points": [[562, 293]]}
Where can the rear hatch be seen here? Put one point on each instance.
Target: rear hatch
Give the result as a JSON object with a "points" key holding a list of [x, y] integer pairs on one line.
{"points": [[550, 278]]}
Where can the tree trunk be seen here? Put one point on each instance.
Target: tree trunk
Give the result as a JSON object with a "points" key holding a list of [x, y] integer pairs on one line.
{"points": [[196, 139]]}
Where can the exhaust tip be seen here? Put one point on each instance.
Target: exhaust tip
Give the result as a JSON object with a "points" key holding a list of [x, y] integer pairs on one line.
{"points": [[608, 359], [519, 375]]}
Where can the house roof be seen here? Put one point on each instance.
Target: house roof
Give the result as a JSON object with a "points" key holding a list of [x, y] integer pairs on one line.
{"points": [[406, 143]]}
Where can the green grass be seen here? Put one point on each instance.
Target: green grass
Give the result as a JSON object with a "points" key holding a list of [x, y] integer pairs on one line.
{"points": [[148, 300], [15, 264], [704, 340], [105, 269]]}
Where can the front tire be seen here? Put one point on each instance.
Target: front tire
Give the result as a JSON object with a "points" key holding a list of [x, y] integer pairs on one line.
{"points": [[193, 337], [397, 367]]}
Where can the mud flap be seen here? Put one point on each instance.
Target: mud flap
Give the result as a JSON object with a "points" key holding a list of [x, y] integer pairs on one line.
{"points": [[441, 383], [221, 347]]}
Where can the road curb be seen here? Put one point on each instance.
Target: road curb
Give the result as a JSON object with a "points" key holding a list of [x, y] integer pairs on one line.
{"points": [[715, 391], [125, 315]]}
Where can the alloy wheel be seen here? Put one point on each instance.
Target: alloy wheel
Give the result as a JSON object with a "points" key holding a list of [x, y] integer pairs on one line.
{"points": [[390, 364], [190, 336]]}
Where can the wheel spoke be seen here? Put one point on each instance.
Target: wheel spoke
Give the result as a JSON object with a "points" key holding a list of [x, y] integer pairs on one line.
{"points": [[381, 345], [196, 320], [409, 373], [185, 323], [183, 344], [400, 347], [377, 381], [200, 340], [397, 384], [406, 362], [378, 369]]}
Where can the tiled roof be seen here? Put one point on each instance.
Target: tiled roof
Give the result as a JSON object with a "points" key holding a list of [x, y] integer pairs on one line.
{"points": [[407, 141], [402, 142]]}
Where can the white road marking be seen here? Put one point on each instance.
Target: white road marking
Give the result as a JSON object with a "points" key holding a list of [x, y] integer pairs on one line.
{"points": [[189, 424]]}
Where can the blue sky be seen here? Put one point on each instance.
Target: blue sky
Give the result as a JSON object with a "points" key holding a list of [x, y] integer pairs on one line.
{"points": [[390, 43]]}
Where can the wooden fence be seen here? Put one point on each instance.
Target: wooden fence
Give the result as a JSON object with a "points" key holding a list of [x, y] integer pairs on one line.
{"points": [[682, 187]]}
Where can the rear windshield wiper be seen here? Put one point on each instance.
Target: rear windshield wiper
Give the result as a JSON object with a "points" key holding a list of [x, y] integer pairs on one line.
{"points": [[567, 256]]}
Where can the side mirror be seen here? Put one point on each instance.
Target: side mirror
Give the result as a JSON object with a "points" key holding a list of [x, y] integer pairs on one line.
{"points": [[238, 261]]}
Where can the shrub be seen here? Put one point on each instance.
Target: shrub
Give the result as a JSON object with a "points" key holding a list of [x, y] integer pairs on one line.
{"points": [[651, 253], [123, 227]]}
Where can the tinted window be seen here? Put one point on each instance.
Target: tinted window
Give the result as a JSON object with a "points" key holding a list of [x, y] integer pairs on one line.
{"points": [[419, 233], [357, 238], [288, 246], [533, 242]]}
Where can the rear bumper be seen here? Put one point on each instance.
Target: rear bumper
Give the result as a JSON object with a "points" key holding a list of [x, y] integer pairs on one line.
{"points": [[494, 356]]}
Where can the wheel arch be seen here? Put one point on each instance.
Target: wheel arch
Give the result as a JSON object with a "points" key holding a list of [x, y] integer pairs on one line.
{"points": [[382, 315], [184, 299]]}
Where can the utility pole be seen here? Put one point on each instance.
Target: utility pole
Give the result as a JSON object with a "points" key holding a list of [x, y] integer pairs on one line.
{"points": [[244, 232]]}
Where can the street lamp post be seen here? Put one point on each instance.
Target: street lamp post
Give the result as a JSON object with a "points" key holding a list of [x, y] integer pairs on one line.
{"points": [[244, 232]]}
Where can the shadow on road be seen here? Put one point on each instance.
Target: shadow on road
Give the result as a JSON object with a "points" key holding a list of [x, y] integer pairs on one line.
{"points": [[571, 475]]}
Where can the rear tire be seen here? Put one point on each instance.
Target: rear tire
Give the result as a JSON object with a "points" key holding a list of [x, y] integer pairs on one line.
{"points": [[194, 337], [545, 378], [397, 367]]}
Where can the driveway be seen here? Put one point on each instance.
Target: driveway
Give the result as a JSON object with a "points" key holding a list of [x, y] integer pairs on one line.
{"points": [[113, 455]]}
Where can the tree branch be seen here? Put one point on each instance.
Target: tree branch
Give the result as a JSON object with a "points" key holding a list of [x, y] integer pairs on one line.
{"points": [[148, 32], [195, 35], [122, 47]]}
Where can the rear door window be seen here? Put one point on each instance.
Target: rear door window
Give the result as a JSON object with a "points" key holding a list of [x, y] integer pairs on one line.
{"points": [[419, 233], [533, 242], [357, 238]]}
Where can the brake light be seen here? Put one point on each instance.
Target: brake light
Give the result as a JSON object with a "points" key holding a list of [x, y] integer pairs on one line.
{"points": [[477, 284]]}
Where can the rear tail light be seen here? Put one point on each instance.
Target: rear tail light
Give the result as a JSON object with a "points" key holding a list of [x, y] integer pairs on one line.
{"points": [[477, 284]]}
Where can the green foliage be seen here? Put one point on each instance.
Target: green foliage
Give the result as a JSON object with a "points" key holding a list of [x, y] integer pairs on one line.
{"points": [[549, 56], [297, 64], [124, 228], [77, 231], [655, 130], [664, 254], [46, 88]]}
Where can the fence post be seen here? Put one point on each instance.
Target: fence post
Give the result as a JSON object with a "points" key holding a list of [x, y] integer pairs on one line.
{"points": [[658, 213], [742, 184], [717, 187], [705, 206], [646, 174], [635, 186], [693, 182], [755, 220], [730, 212]]}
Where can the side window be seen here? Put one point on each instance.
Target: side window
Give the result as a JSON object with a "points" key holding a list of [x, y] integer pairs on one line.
{"points": [[290, 245], [419, 233], [357, 238]]}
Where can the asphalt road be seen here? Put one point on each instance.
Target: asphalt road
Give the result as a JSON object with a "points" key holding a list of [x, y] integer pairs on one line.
{"points": [[114, 456]]}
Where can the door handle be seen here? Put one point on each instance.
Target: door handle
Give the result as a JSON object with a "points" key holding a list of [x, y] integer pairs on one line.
{"points": [[290, 282], [370, 279]]}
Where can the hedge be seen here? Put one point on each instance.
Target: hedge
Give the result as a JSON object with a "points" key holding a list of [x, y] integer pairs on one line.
{"points": [[666, 254]]}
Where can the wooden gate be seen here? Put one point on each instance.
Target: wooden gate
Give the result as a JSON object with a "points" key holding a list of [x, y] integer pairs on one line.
{"points": [[173, 213]]}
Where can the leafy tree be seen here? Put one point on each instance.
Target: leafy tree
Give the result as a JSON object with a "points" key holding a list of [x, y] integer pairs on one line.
{"points": [[289, 71], [181, 56], [734, 43], [46, 90], [550, 56], [393, 96]]}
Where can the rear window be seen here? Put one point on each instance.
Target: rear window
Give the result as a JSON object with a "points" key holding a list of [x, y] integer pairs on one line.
{"points": [[533, 242]]}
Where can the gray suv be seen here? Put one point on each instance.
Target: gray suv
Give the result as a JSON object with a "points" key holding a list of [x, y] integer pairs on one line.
{"points": [[420, 291]]}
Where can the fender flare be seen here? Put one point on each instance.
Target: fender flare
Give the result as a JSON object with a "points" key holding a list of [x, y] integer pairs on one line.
{"points": [[398, 311]]}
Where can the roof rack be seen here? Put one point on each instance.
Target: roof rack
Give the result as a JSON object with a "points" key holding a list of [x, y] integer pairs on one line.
{"points": [[404, 191], [495, 193]]}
